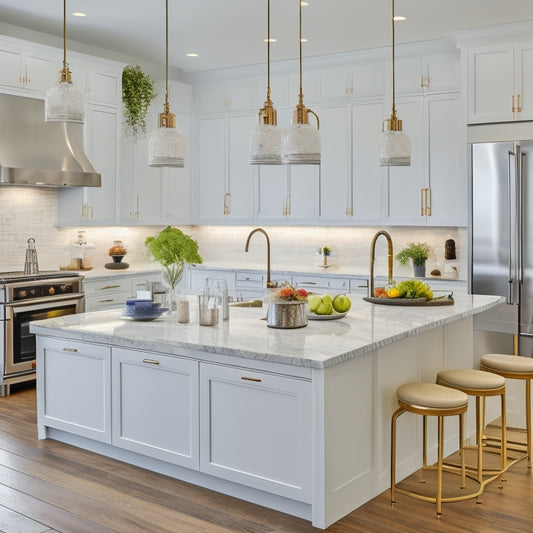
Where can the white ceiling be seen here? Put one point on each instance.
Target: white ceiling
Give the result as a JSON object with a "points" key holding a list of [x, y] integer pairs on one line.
{"points": [[231, 32]]}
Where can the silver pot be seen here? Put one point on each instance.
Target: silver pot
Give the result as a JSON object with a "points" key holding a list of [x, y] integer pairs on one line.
{"points": [[287, 315]]}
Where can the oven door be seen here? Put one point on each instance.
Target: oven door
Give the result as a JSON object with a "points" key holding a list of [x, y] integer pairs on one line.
{"points": [[19, 342]]}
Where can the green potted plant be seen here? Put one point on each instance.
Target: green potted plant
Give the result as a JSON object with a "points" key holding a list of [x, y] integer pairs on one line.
{"points": [[173, 249], [418, 253], [137, 95]]}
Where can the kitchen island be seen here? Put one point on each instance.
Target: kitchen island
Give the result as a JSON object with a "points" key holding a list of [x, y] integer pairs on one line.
{"points": [[296, 420]]}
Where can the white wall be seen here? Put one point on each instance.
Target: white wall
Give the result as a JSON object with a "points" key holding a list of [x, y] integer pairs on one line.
{"points": [[29, 212]]}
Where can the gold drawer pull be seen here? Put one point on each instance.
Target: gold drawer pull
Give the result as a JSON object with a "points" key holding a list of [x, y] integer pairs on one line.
{"points": [[70, 350], [106, 301], [110, 287], [150, 361], [246, 378]]}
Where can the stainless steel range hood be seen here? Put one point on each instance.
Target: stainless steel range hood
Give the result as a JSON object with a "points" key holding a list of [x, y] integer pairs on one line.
{"points": [[36, 153]]}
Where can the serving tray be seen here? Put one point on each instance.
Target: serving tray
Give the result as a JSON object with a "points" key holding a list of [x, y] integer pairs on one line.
{"points": [[441, 300]]}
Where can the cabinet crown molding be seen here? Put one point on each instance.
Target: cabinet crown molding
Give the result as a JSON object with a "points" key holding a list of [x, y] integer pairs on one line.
{"points": [[498, 33]]}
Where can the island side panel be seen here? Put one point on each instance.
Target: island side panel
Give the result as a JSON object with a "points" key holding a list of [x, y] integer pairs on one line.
{"points": [[353, 405]]}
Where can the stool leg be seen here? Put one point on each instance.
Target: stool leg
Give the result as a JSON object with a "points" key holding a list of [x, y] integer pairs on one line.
{"points": [[425, 444], [503, 449], [396, 414], [479, 440], [528, 421], [462, 452], [439, 466]]}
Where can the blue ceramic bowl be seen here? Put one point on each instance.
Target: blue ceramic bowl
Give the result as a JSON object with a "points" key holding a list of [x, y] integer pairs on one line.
{"points": [[135, 307]]}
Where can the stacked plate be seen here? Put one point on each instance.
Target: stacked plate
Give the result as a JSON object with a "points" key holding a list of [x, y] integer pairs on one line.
{"points": [[139, 309]]}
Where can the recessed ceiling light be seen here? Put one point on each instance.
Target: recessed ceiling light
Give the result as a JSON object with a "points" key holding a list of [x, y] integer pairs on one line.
{"points": [[272, 40], [304, 3], [192, 54], [79, 14], [303, 39], [400, 17]]}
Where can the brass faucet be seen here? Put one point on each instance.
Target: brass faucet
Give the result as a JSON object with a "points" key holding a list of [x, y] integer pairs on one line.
{"points": [[373, 257], [269, 284]]}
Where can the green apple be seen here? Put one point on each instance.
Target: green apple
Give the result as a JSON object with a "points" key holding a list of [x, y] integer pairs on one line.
{"points": [[327, 298], [314, 302], [325, 307], [341, 303]]}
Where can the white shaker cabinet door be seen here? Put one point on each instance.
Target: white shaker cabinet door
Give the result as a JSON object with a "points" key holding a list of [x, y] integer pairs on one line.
{"points": [[211, 166], [155, 405], [256, 429], [74, 388], [490, 84]]}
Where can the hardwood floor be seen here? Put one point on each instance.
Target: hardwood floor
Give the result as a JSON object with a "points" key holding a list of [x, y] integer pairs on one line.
{"points": [[47, 486]]}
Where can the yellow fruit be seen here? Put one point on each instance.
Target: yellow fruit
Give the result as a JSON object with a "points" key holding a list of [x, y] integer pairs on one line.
{"points": [[393, 293]]}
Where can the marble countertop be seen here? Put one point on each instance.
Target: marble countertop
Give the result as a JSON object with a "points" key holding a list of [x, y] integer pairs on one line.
{"points": [[320, 344]]}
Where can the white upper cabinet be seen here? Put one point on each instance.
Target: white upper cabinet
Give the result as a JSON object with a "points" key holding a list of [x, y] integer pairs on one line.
{"points": [[403, 184], [364, 80], [225, 96], [367, 190], [28, 68], [500, 82], [225, 179], [428, 73]]}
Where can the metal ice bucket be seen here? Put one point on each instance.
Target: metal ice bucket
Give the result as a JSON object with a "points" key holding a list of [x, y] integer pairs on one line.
{"points": [[287, 315]]}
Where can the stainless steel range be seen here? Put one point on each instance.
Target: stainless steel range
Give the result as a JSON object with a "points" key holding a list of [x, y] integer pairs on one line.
{"points": [[24, 298]]}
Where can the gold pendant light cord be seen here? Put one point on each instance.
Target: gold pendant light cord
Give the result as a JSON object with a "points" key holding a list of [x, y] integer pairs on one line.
{"points": [[166, 119], [301, 97], [268, 49], [166, 54], [393, 61], [65, 34]]}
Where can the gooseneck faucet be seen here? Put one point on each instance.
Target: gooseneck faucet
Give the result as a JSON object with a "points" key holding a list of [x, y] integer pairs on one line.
{"points": [[373, 258], [269, 284]]}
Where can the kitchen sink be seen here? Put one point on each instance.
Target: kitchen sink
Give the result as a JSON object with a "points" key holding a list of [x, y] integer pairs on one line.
{"points": [[247, 303]]}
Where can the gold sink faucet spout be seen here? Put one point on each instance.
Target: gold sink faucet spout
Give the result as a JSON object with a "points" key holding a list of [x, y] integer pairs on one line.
{"points": [[373, 258], [269, 284]]}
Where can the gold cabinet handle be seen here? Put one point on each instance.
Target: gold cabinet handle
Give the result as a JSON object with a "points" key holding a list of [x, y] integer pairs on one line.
{"points": [[519, 107], [70, 350], [422, 81], [287, 206], [227, 203], [422, 210], [513, 108], [428, 202], [150, 361], [246, 378], [110, 287], [349, 212], [106, 301]]}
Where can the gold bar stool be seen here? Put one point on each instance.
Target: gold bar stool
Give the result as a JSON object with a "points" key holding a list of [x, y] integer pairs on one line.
{"points": [[513, 367], [428, 399], [479, 384]]}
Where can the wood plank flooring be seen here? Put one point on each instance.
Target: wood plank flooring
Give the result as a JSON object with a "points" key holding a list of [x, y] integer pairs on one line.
{"points": [[47, 486]]}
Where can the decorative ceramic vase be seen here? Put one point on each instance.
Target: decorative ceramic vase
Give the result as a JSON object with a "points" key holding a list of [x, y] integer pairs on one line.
{"points": [[287, 315], [419, 271]]}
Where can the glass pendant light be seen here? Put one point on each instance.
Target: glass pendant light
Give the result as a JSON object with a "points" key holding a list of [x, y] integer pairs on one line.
{"points": [[394, 145], [265, 140], [166, 145], [301, 142], [63, 102]]}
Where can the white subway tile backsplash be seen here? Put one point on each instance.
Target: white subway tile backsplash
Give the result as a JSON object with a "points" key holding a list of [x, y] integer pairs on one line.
{"points": [[29, 212]]}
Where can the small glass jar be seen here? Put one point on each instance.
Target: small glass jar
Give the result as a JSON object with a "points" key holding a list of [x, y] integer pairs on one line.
{"points": [[117, 249]]}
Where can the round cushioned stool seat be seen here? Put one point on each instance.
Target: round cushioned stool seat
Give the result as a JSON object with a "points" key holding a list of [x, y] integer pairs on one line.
{"points": [[507, 363], [470, 379], [429, 395]]}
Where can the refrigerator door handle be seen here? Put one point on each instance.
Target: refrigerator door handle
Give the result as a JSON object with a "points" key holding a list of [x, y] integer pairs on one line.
{"points": [[521, 221], [511, 210]]}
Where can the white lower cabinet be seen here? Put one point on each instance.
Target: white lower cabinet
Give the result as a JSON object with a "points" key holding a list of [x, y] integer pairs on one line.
{"points": [[74, 387], [155, 405], [256, 429]]}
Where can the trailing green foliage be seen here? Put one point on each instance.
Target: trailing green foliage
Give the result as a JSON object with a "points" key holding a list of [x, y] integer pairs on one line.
{"points": [[419, 253], [137, 94], [173, 249]]}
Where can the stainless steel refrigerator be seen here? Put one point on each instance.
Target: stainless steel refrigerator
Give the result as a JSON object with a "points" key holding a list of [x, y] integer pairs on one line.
{"points": [[501, 233]]}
